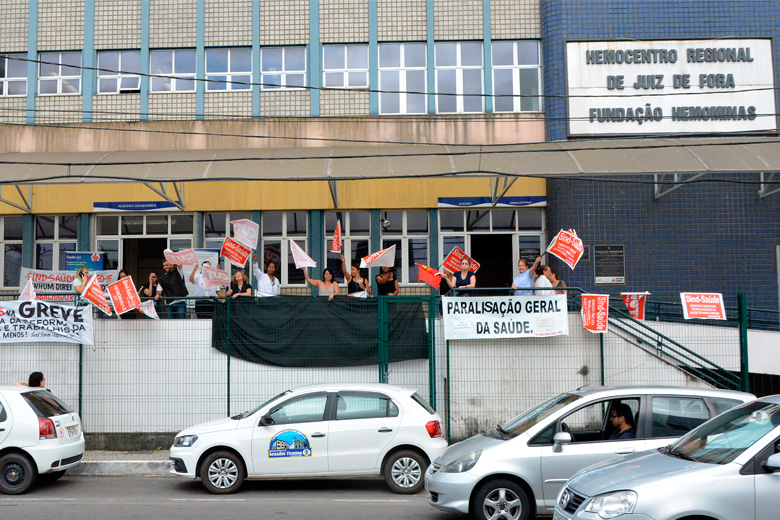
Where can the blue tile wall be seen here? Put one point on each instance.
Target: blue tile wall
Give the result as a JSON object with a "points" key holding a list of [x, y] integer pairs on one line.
{"points": [[715, 236]]}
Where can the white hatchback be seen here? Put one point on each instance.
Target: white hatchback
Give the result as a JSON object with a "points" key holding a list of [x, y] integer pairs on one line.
{"points": [[315, 431], [40, 437]]}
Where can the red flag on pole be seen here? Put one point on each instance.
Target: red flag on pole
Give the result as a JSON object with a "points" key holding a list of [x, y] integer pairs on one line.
{"points": [[335, 246], [94, 294], [428, 275]]}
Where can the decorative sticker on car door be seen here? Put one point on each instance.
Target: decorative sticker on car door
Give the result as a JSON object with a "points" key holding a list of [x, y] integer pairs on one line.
{"points": [[289, 443]]}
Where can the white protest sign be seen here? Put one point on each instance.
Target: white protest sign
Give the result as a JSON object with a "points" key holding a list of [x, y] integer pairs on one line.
{"points": [[186, 257], [246, 232], [34, 321], [48, 283]]}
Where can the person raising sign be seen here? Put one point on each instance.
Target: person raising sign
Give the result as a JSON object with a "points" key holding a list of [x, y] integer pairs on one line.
{"points": [[464, 279], [327, 286]]}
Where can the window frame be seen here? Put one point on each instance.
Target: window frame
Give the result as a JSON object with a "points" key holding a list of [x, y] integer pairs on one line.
{"points": [[15, 244], [403, 70], [357, 393], [325, 413], [119, 75], [347, 237], [459, 68], [59, 78], [346, 70], [173, 76], [404, 276], [284, 72], [6, 79], [284, 245], [243, 85], [517, 100], [56, 243]]}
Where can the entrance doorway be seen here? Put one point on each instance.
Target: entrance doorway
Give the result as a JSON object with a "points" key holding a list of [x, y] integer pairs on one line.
{"points": [[142, 256], [494, 254]]}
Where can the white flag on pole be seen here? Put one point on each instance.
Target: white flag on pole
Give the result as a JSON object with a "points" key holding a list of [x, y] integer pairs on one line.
{"points": [[300, 257], [147, 308], [383, 258], [29, 292]]}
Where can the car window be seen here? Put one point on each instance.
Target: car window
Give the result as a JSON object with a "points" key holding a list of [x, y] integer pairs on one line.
{"points": [[309, 408], [3, 413], [45, 404], [361, 406], [674, 416], [591, 423], [419, 400], [722, 404], [534, 416]]}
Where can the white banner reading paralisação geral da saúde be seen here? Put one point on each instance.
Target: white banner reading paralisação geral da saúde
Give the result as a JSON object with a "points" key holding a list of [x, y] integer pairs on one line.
{"points": [[33, 321], [505, 317]]}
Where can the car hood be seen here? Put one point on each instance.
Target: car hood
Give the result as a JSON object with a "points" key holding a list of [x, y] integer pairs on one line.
{"points": [[219, 425], [633, 472], [478, 442]]}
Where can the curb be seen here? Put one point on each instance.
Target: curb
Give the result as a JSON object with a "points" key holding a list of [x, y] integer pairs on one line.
{"points": [[121, 468]]}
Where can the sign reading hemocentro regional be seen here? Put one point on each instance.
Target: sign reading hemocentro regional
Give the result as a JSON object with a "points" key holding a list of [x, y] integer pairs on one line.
{"points": [[670, 86], [505, 317]]}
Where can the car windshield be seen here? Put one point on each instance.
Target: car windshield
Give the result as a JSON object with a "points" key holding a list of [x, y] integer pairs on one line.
{"points": [[45, 404], [527, 419], [271, 400], [722, 439]]}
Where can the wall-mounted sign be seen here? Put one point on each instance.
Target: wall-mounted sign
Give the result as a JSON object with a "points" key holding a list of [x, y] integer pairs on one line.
{"points": [[670, 86], [135, 205], [487, 202], [609, 265]]}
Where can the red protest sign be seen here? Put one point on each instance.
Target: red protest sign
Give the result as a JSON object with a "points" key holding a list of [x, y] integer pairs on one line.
{"points": [[703, 306], [94, 294], [567, 246], [213, 277], [595, 312], [235, 252], [335, 245], [123, 295], [452, 262], [186, 257], [635, 301]]}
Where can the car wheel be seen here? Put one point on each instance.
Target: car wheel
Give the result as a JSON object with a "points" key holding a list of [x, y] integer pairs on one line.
{"points": [[404, 472], [17, 474], [222, 472], [501, 500], [51, 477]]}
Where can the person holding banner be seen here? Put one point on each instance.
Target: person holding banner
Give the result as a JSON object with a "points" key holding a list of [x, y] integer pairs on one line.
{"points": [[267, 282], [464, 279], [80, 282], [203, 308], [152, 290], [355, 281], [386, 282], [172, 281], [551, 275], [327, 286], [240, 286], [525, 278]]}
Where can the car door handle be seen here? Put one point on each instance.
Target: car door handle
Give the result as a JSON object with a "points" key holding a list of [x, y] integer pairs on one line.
{"points": [[625, 452], [318, 434], [2, 429], [384, 430]]}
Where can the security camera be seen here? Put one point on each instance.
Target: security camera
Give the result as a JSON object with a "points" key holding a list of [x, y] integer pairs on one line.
{"points": [[385, 223]]}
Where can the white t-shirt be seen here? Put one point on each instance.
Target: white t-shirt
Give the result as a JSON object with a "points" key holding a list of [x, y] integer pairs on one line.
{"points": [[543, 282], [201, 290]]}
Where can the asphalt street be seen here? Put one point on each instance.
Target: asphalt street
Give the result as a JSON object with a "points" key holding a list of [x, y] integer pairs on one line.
{"points": [[131, 498]]}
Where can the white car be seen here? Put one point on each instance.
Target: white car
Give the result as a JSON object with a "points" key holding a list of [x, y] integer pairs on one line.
{"points": [[316, 431], [40, 436]]}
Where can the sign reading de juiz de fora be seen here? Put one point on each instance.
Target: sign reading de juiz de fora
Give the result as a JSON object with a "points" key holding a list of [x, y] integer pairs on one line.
{"points": [[670, 86]]}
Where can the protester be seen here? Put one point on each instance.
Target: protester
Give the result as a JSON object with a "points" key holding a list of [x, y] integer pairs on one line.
{"points": [[152, 290], [172, 281], [525, 278], [36, 380], [80, 282], [551, 275], [204, 306], [327, 286], [542, 283], [386, 282], [464, 278], [356, 282], [122, 274], [240, 286], [267, 282]]}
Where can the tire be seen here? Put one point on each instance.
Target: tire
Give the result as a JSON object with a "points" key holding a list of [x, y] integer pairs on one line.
{"points": [[17, 474], [501, 499], [51, 477], [222, 472], [405, 472]]}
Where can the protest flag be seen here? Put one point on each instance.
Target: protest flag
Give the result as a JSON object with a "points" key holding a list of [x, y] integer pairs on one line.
{"points": [[29, 291], [383, 258], [300, 257], [147, 308], [335, 246], [635, 302], [93, 293], [428, 275]]}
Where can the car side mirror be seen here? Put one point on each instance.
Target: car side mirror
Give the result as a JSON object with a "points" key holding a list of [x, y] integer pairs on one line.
{"points": [[772, 463], [560, 439], [266, 420]]}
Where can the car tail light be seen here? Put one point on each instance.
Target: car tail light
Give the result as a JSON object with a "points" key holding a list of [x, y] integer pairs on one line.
{"points": [[46, 427], [434, 429]]}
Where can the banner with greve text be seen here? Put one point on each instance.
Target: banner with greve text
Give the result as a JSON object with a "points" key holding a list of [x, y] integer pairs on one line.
{"points": [[505, 317], [34, 321], [48, 283], [595, 312]]}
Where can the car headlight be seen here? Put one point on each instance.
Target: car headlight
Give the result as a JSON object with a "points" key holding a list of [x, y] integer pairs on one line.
{"points": [[462, 464], [185, 441], [613, 505]]}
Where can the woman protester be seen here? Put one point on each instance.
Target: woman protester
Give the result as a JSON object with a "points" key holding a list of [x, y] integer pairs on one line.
{"points": [[551, 275], [240, 286], [356, 282], [464, 279], [386, 282], [152, 290], [327, 286]]}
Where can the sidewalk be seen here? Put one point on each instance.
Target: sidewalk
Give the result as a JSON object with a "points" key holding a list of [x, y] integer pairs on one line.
{"points": [[123, 463]]}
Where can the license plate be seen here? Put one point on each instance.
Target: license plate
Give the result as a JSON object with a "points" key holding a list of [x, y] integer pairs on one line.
{"points": [[73, 431]]}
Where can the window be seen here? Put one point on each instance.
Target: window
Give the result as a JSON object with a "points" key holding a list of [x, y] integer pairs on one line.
{"points": [[459, 77], [364, 406], [517, 76], [279, 227], [178, 69], [13, 75], [355, 234], [591, 423], [402, 72], [408, 231], [54, 236], [59, 73], [229, 69], [345, 66], [309, 408], [118, 72], [674, 416], [216, 226], [283, 67], [12, 238]]}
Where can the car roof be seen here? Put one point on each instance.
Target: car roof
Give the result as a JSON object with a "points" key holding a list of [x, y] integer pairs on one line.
{"points": [[774, 399], [14, 388], [366, 387], [664, 390]]}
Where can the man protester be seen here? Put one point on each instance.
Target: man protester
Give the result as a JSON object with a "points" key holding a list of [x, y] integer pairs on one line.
{"points": [[172, 281]]}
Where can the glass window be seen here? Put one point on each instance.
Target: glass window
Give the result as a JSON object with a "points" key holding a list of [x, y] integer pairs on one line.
{"points": [[173, 70], [229, 69], [59, 73], [107, 225], [118, 72], [54, 236], [278, 229], [517, 76], [132, 225], [111, 250], [459, 70], [156, 224], [675, 416], [13, 75], [182, 224], [345, 66], [283, 67], [405, 230], [722, 404], [215, 225], [301, 410], [592, 424], [12, 264], [364, 407], [12, 228], [355, 234], [402, 78]]}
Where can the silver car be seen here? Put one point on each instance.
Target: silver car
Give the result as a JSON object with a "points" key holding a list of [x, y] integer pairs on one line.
{"points": [[726, 469], [518, 469]]}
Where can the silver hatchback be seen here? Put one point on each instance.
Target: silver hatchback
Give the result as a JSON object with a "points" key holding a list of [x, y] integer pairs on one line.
{"points": [[518, 469]]}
